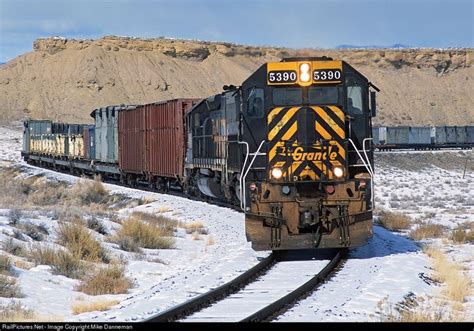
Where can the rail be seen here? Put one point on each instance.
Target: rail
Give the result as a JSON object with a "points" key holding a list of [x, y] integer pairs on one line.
{"points": [[189, 307]]}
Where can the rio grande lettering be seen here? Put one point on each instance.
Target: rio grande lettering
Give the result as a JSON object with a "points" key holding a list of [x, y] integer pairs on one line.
{"points": [[299, 155]]}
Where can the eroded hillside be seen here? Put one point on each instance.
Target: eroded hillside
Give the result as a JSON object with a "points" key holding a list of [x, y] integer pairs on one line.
{"points": [[64, 79]]}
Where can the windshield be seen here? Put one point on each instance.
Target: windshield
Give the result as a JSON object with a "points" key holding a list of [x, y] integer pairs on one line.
{"points": [[287, 96], [323, 95]]}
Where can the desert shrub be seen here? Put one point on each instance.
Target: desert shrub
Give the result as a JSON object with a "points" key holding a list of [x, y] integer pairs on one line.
{"points": [[15, 312], [9, 287], [6, 266], [87, 192], [127, 244], [11, 247], [458, 285], [18, 235], [464, 233], [96, 225], [428, 230], [101, 305], [35, 232], [14, 216], [146, 235], [68, 265], [81, 243], [164, 223], [394, 221], [62, 262], [69, 213], [195, 227], [47, 194], [110, 279]]}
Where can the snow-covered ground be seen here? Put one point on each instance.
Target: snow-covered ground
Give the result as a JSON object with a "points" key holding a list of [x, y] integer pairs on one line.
{"points": [[390, 267]]}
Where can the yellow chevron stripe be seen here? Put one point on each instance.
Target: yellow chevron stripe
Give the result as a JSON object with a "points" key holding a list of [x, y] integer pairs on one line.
{"points": [[330, 122], [289, 114], [342, 151], [286, 136], [322, 131], [339, 113], [274, 112]]}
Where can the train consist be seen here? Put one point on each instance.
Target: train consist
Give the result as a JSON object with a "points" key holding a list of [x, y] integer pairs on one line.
{"points": [[420, 138], [291, 147]]}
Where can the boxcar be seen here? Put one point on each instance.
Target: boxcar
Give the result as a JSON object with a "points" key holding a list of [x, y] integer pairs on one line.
{"points": [[152, 140]]}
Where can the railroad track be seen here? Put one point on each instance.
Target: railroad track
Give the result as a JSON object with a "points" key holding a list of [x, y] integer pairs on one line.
{"points": [[260, 294]]}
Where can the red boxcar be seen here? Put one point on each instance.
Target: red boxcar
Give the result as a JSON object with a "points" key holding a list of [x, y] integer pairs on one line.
{"points": [[152, 138]]}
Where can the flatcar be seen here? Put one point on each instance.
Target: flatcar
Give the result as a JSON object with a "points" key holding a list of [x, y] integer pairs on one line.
{"points": [[291, 147], [423, 138]]}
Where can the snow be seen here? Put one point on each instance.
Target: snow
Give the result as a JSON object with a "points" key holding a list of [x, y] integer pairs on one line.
{"points": [[391, 266], [276, 283]]}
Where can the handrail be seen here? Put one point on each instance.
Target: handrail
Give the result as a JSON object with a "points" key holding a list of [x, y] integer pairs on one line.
{"points": [[243, 167], [242, 179], [368, 167]]}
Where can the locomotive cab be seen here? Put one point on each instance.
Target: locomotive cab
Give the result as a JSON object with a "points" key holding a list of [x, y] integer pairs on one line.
{"points": [[306, 174]]}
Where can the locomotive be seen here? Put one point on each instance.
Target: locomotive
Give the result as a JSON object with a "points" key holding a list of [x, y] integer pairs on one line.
{"points": [[291, 147]]}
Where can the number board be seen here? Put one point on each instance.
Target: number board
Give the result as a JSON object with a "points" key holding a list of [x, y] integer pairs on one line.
{"points": [[282, 76], [322, 72], [327, 75]]}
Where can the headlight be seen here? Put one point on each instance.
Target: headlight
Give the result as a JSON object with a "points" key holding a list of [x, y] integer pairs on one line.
{"points": [[277, 173], [304, 72], [338, 172]]}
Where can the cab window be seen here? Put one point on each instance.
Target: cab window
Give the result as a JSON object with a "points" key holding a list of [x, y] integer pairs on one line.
{"points": [[287, 96], [323, 95], [255, 103], [354, 100]]}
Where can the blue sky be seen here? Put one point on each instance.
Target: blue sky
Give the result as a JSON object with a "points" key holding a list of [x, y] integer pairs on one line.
{"points": [[295, 24]]}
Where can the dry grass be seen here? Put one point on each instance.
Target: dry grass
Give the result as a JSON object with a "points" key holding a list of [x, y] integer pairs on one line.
{"points": [[97, 226], [15, 312], [86, 192], [458, 285], [427, 230], [6, 265], [10, 246], [14, 216], [22, 264], [34, 231], [412, 311], [164, 209], [9, 287], [110, 279], [166, 224], [145, 234], [62, 262], [463, 234], [394, 221], [126, 243], [193, 227], [81, 243], [101, 305]]}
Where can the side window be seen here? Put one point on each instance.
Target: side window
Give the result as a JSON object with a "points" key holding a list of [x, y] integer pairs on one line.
{"points": [[255, 103], [354, 100]]}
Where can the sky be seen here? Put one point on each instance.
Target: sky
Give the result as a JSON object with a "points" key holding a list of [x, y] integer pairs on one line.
{"points": [[285, 23]]}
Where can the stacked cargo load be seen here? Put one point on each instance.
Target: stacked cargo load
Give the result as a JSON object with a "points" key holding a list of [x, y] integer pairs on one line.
{"points": [[106, 132], [152, 139], [89, 141]]}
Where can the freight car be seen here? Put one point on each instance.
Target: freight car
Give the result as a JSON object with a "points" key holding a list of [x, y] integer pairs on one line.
{"points": [[290, 147], [423, 138]]}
